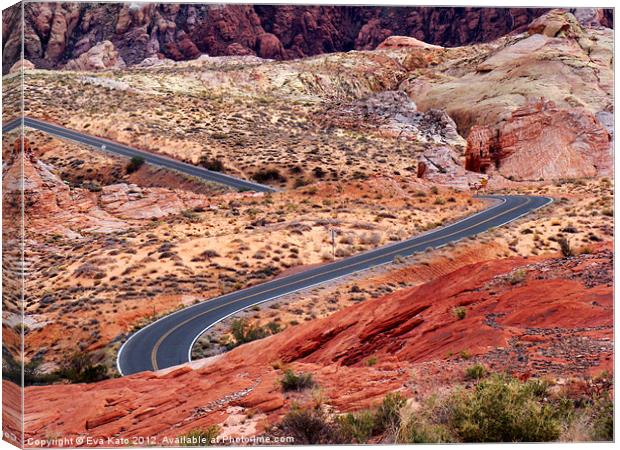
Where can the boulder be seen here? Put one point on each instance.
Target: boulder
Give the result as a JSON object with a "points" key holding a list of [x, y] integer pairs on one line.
{"points": [[102, 56], [22, 64], [556, 23]]}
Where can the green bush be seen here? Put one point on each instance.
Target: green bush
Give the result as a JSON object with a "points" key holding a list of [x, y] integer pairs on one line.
{"points": [[388, 413], [504, 409], [244, 332], [201, 437], [135, 164], [81, 369], [309, 427], [12, 371], [357, 428], [602, 418], [459, 312], [416, 431], [213, 164], [371, 361], [518, 276], [265, 175], [475, 372], [292, 381]]}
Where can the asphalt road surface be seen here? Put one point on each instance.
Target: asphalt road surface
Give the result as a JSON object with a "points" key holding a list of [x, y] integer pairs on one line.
{"points": [[123, 150], [168, 341]]}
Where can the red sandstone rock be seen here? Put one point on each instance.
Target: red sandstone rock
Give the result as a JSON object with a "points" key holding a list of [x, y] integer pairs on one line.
{"points": [[269, 46], [479, 146], [103, 419], [542, 141]]}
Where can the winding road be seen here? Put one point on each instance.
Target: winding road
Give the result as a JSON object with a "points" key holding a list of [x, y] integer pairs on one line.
{"points": [[130, 152], [168, 341]]}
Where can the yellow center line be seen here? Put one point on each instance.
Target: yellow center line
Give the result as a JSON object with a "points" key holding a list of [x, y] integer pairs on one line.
{"points": [[179, 325]]}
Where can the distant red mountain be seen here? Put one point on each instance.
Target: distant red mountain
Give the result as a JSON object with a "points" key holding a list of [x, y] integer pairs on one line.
{"points": [[57, 32]]}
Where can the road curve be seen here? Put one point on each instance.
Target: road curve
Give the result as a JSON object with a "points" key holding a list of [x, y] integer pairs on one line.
{"points": [[151, 158], [168, 341]]}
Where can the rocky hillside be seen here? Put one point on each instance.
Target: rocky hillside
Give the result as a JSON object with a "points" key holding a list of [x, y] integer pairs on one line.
{"points": [[549, 317], [56, 33], [534, 105]]}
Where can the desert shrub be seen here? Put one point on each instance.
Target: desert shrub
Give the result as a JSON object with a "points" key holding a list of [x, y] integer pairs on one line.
{"points": [[504, 409], [371, 361], [300, 182], [273, 327], [201, 437], [565, 247], [318, 172], [399, 259], [420, 431], [601, 415], [308, 427], [459, 312], [213, 164], [191, 215], [12, 371], [516, 277], [388, 413], [475, 372], [135, 164], [265, 175], [81, 369], [292, 381], [370, 238], [244, 332], [93, 186], [356, 428]]}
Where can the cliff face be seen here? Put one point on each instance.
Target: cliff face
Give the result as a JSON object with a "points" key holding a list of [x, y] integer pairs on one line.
{"points": [[58, 32]]}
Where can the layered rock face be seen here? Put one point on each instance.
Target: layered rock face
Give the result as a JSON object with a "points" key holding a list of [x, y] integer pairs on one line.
{"points": [[569, 64], [492, 91], [542, 141], [58, 32]]}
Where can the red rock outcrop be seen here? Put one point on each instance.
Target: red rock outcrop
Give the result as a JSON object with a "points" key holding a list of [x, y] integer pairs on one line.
{"points": [[480, 146], [58, 32], [542, 141], [54, 207], [543, 317], [100, 57]]}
